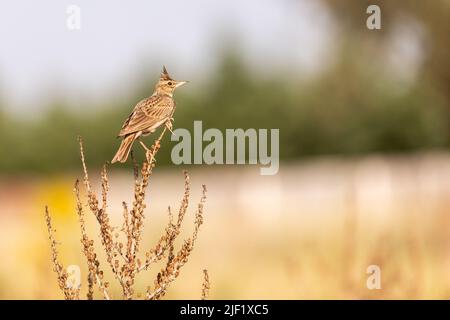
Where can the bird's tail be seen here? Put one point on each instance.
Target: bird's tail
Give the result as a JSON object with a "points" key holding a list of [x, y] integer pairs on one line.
{"points": [[124, 149]]}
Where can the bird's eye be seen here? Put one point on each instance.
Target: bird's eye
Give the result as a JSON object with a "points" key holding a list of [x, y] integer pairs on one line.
{"points": [[169, 83]]}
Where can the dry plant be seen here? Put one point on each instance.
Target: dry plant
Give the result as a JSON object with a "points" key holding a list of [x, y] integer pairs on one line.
{"points": [[206, 285], [122, 255]]}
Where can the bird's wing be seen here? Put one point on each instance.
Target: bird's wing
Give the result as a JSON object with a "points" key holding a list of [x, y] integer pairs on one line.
{"points": [[147, 114]]}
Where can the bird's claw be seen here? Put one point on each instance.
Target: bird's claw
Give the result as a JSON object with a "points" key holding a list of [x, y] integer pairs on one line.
{"points": [[150, 153], [147, 150], [150, 156], [169, 125]]}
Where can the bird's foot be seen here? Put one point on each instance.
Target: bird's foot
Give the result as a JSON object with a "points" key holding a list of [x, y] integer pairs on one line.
{"points": [[150, 153], [169, 125], [150, 157], [147, 150]]}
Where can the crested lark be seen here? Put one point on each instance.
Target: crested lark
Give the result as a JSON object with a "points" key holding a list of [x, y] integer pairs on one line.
{"points": [[149, 114]]}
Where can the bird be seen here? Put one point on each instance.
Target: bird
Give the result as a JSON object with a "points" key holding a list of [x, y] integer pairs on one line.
{"points": [[148, 115]]}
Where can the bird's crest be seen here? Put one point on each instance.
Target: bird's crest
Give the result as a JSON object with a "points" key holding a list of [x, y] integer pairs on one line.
{"points": [[165, 74]]}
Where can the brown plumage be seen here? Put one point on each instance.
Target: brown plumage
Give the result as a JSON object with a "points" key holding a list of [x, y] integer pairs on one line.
{"points": [[149, 114]]}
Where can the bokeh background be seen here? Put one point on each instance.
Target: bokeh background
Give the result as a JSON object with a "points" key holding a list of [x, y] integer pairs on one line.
{"points": [[364, 140]]}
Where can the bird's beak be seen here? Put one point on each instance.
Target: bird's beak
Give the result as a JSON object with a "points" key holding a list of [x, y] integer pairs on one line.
{"points": [[180, 83]]}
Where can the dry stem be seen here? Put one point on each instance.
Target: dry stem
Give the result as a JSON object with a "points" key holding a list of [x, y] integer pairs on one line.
{"points": [[206, 285], [130, 265]]}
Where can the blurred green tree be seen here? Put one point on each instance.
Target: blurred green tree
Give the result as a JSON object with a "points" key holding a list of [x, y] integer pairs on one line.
{"points": [[353, 107]]}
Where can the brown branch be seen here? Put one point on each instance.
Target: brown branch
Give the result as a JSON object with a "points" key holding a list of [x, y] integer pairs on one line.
{"points": [[172, 269], [95, 273], [106, 230], [62, 276], [137, 217], [172, 230], [206, 285], [105, 188], [132, 227]]}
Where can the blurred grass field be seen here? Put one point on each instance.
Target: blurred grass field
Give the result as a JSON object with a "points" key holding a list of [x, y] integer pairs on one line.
{"points": [[309, 232]]}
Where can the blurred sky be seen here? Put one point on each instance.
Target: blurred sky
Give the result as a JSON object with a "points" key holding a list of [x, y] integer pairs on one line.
{"points": [[38, 52]]}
